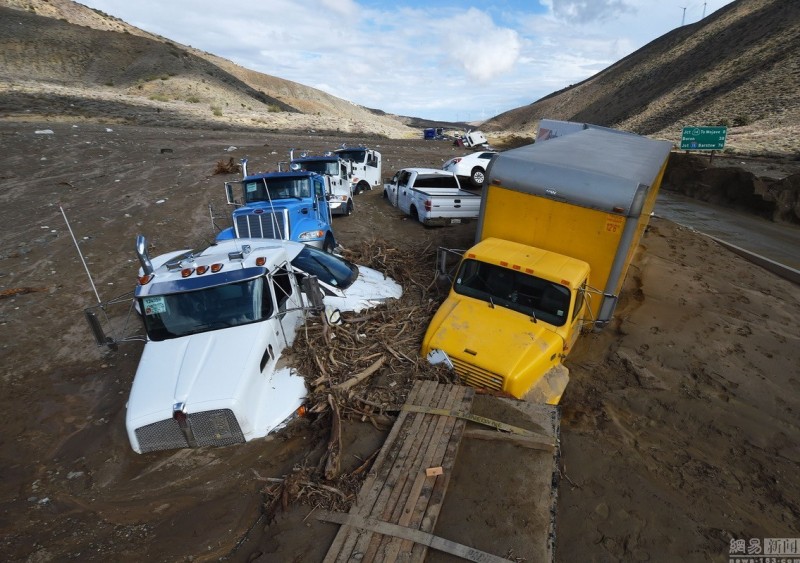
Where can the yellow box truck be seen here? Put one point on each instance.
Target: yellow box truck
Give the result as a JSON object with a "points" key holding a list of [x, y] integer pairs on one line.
{"points": [[559, 224]]}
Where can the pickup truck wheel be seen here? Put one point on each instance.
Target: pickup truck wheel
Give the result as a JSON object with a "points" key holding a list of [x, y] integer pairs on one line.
{"points": [[328, 245], [414, 213], [349, 209], [477, 177]]}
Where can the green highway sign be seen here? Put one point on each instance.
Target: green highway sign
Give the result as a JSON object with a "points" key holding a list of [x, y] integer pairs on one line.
{"points": [[703, 138]]}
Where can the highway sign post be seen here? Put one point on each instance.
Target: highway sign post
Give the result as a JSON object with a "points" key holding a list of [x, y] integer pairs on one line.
{"points": [[703, 138]]}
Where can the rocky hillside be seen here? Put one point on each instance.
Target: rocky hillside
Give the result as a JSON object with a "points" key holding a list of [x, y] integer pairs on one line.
{"points": [[739, 67], [49, 66]]}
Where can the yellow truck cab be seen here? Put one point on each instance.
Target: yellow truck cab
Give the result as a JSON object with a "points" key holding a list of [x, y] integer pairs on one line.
{"points": [[558, 227], [513, 313]]}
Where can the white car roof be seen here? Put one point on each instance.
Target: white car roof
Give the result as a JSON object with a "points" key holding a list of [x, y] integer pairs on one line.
{"points": [[434, 171]]}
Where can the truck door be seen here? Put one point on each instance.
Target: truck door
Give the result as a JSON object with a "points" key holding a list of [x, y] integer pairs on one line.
{"points": [[372, 170], [321, 201], [578, 314], [404, 185], [288, 311]]}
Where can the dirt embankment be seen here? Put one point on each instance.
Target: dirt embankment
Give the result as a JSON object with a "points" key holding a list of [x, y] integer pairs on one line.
{"points": [[768, 188]]}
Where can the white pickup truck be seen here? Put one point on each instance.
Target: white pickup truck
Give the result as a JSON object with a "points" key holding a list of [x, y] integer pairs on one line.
{"points": [[431, 196]]}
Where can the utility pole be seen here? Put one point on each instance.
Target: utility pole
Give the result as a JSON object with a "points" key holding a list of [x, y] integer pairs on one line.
{"points": [[704, 10], [683, 18]]}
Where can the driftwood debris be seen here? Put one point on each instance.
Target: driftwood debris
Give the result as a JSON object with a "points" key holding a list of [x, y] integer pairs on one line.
{"points": [[333, 462], [14, 291], [227, 167], [361, 368]]}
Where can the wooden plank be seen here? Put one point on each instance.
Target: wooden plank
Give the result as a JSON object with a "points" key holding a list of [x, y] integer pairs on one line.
{"points": [[542, 443], [397, 490], [427, 455], [428, 523], [417, 502], [388, 450], [472, 418], [356, 541], [390, 494], [417, 479], [423, 538]]}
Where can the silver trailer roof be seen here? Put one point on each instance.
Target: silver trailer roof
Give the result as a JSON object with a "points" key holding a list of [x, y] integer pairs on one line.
{"points": [[597, 168]]}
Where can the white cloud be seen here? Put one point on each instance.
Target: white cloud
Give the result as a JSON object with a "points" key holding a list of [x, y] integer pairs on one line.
{"points": [[346, 8], [588, 11], [433, 60], [482, 49]]}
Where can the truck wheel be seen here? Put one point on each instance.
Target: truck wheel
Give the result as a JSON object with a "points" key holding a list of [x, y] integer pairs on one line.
{"points": [[477, 177], [414, 213], [361, 187], [349, 209], [328, 245]]}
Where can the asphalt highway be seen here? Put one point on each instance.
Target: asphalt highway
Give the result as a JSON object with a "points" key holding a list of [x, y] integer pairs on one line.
{"points": [[779, 242]]}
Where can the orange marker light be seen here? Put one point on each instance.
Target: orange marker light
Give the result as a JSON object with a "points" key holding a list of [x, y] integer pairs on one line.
{"points": [[215, 268], [186, 272]]}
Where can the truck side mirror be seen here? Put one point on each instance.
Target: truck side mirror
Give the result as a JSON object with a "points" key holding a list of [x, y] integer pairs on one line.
{"points": [[446, 272], [229, 193], [310, 286]]}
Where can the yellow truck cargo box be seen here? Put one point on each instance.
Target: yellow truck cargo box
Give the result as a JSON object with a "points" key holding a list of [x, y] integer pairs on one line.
{"points": [[587, 195]]}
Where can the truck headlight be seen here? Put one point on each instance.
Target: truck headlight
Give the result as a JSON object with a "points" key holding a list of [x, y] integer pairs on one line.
{"points": [[311, 235]]}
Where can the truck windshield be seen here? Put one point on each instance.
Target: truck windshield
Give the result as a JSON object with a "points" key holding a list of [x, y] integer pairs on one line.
{"points": [[279, 188], [180, 314], [319, 166], [328, 268], [352, 155], [512, 289]]}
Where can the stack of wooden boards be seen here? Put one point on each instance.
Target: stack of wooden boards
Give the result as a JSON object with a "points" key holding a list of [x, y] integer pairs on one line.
{"points": [[409, 479], [401, 500]]}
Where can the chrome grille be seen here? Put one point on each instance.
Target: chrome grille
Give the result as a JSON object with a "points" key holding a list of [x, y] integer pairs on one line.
{"points": [[216, 428], [161, 435], [263, 225], [477, 377], [210, 428]]}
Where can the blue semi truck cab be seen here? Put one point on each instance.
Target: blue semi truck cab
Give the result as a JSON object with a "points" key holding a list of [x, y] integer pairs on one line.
{"points": [[281, 205], [338, 177]]}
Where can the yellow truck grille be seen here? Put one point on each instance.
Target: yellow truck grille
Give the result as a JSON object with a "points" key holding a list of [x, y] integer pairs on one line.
{"points": [[477, 377]]}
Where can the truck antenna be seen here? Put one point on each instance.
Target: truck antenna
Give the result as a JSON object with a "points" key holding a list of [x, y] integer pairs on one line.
{"points": [[78, 248]]}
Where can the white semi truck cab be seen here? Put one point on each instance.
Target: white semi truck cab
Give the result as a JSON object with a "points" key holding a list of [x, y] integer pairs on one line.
{"points": [[365, 167], [217, 323]]}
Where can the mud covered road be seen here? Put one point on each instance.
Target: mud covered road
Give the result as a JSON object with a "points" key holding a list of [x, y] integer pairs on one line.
{"points": [[679, 426]]}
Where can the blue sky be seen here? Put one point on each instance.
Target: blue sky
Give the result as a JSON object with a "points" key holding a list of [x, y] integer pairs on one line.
{"points": [[445, 60]]}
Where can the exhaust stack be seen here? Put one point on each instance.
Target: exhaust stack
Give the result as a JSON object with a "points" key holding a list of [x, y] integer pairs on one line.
{"points": [[141, 252]]}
